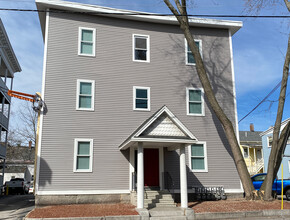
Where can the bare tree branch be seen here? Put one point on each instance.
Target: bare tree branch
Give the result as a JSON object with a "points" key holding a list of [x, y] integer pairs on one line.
{"points": [[287, 3]]}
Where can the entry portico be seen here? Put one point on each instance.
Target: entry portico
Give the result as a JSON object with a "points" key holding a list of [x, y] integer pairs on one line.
{"points": [[161, 130]]}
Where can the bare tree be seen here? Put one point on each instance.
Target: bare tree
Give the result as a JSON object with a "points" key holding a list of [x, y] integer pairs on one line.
{"points": [[180, 13], [279, 139], [27, 126]]}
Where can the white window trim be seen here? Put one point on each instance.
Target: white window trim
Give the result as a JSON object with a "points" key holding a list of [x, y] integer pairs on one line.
{"points": [[202, 101], [244, 152], [200, 51], [148, 47], [77, 140], [94, 42], [148, 97], [205, 170], [268, 141], [78, 92]]}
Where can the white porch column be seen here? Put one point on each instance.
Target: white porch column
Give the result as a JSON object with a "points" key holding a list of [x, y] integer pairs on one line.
{"points": [[140, 177], [183, 179]]}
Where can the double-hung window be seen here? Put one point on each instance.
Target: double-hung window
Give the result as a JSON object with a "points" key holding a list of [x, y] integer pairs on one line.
{"points": [[195, 101], [83, 155], [189, 59], [141, 98], [141, 48], [87, 39], [85, 94], [198, 157]]}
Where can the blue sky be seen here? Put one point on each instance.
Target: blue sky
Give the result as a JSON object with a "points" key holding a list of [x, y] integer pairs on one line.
{"points": [[259, 50]]}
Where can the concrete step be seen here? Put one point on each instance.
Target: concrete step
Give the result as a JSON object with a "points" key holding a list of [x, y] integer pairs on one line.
{"points": [[165, 205], [166, 211], [169, 217], [166, 201]]}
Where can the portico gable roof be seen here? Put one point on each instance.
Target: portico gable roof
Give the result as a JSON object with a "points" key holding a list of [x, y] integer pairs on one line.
{"points": [[162, 127]]}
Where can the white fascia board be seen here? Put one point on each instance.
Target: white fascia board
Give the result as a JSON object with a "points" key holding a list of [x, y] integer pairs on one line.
{"points": [[234, 26], [270, 130]]}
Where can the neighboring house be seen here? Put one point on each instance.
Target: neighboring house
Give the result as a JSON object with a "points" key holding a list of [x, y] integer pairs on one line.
{"points": [[267, 137], [19, 162], [8, 66], [251, 147], [124, 103]]}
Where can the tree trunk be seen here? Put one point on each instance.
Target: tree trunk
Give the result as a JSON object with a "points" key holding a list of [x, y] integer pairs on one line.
{"points": [[182, 18], [275, 156]]}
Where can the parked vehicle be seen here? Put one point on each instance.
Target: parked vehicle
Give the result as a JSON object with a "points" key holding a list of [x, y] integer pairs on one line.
{"points": [[15, 185], [31, 188], [258, 179]]}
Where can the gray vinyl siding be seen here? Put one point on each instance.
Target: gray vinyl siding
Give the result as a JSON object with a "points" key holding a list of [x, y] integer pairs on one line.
{"points": [[113, 118]]}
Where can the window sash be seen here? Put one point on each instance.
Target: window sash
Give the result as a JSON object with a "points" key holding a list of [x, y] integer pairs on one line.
{"points": [[198, 108], [141, 53], [198, 162], [85, 94], [87, 38], [143, 101], [83, 155], [189, 56]]}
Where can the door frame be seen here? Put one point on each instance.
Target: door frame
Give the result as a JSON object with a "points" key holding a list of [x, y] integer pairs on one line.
{"points": [[132, 165]]}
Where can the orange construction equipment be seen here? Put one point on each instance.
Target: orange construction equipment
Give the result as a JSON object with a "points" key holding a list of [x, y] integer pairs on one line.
{"points": [[35, 99], [21, 95]]}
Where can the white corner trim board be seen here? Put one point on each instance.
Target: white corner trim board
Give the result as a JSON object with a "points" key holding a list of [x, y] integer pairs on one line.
{"points": [[83, 192], [42, 94]]}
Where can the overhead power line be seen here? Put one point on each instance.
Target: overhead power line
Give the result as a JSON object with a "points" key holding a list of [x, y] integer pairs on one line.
{"points": [[264, 99], [145, 14]]}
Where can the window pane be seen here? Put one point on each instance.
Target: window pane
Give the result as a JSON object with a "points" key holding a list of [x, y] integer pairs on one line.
{"points": [[85, 102], [195, 108], [196, 43], [83, 148], [86, 48], [190, 58], [86, 88], [141, 93], [87, 35], [197, 163], [197, 150], [141, 103], [194, 95], [83, 162], [140, 43], [140, 55]]}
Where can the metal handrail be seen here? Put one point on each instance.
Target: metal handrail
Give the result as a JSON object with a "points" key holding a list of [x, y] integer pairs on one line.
{"points": [[168, 182]]}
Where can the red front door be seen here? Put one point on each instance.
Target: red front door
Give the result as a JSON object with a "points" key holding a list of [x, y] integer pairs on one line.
{"points": [[151, 167]]}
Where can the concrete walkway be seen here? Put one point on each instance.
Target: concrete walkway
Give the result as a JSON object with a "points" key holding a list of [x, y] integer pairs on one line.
{"points": [[180, 214], [15, 206]]}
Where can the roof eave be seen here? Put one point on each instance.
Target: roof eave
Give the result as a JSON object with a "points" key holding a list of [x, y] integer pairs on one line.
{"points": [[233, 26], [7, 47], [269, 130]]}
